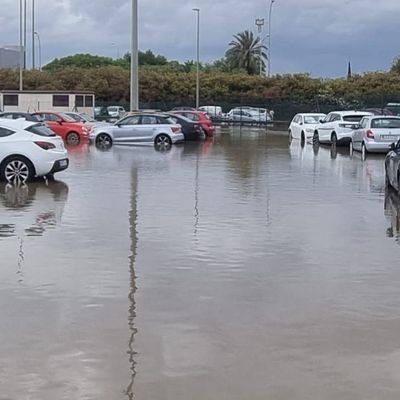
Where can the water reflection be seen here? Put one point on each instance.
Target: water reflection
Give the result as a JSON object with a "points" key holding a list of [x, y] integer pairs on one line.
{"points": [[31, 209], [392, 213]]}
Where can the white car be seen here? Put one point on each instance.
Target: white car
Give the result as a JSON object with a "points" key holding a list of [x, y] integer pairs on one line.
{"points": [[212, 111], [303, 126], [29, 149], [116, 111], [337, 127]]}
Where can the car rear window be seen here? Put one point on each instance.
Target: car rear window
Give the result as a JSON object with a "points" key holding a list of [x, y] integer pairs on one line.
{"points": [[41, 130], [385, 123], [353, 118]]}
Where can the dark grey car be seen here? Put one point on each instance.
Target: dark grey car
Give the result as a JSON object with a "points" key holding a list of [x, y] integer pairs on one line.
{"points": [[392, 166]]}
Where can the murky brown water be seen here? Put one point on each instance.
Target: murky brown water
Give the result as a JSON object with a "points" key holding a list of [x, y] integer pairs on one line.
{"points": [[239, 269]]}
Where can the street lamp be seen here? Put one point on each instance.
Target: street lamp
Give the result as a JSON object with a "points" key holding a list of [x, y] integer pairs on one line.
{"points": [[33, 34], [21, 50], [40, 50], [260, 24], [135, 58], [113, 44], [197, 10], [269, 37]]}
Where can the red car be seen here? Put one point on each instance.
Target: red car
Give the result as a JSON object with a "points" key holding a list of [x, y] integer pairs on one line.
{"points": [[201, 118], [72, 132]]}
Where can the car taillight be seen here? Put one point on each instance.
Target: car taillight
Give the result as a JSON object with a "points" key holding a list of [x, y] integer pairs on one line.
{"points": [[370, 134], [45, 145], [175, 129]]}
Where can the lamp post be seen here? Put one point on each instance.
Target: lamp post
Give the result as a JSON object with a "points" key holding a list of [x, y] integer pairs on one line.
{"points": [[21, 49], [33, 34], [269, 37], [260, 24], [135, 58], [197, 10], [40, 50], [24, 34]]}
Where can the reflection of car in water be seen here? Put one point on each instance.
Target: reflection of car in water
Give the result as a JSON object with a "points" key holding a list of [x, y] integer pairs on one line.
{"points": [[30, 210], [392, 213]]}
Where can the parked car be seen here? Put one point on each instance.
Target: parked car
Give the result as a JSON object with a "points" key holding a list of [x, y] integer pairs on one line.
{"points": [[29, 149], [392, 166], [116, 111], [337, 127], [303, 126], [378, 111], [60, 123], [260, 114], [139, 128], [237, 114], [212, 111], [17, 114], [183, 108], [394, 108], [201, 118], [85, 119], [375, 134], [190, 129]]}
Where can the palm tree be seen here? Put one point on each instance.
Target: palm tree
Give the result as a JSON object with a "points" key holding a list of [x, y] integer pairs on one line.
{"points": [[246, 52]]}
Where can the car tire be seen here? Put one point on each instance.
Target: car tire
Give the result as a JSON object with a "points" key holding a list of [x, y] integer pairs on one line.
{"points": [[302, 138], [162, 142], [16, 170], [363, 151], [333, 139], [316, 138], [72, 138], [103, 141]]}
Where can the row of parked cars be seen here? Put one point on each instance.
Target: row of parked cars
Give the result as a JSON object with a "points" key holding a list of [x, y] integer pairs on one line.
{"points": [[32, 145], [363, 131]]}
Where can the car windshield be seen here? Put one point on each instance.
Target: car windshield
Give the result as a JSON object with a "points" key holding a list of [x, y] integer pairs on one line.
{"points": [[353, 118], [87, 117], [41, 130], [385, 123], [312, 119], [76, 117], [66, 117]]}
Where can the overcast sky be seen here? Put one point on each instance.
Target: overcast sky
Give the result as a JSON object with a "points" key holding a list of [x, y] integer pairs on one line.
{"points": [[315, 36]]}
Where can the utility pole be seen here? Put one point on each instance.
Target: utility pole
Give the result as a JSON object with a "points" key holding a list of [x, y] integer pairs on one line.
{"points": [[24, 34], [197, 10], [260, 24], [135, 58], [33, 34], [269, 37], [21, 50]]}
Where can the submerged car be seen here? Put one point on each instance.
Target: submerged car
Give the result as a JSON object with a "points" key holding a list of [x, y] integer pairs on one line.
{"points": [[139, 128], [337, 127], [190, 129], [392, 166], [29, 149], [375, 134], [201, 118], [303, 126]]}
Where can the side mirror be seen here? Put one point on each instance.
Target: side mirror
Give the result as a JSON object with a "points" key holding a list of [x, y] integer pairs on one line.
{"points": [[60, 121], [301, 123], [393, 146], [322, 121], [356, 127]]}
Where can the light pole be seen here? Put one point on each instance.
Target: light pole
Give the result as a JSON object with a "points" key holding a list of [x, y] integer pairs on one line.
{"points": [[197, 10], [24, 34], [135, 58], [33, 34], [260, 24], [40, 50], [21, 50], [113, 44], [269, 37]]}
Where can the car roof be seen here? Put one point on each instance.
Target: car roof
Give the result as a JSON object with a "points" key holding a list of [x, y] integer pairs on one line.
{"points": [[344, 113], [20, 123], [383, 116], [307, 114]]}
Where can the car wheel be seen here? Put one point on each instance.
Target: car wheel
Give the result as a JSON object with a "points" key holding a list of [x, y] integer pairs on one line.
{"points": [[162, 142], [103, 141], [303, 139], [363, 151], [333, 139], [73, 138], [316, 138], [17, 170]]}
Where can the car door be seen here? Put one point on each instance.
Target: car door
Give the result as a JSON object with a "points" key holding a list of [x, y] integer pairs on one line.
{"points": [[149, 125], [325, 129], [127, 130], [5, 141], [358, 134]]}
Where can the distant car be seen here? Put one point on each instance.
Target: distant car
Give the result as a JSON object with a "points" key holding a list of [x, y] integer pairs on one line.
{"points": [[212, 111], [337, 127], [394, 108], [116, 111], [190, 129], [237, 114], [260, 114], [303, 126], [392, 166], [201, 118], [375, 134], [17, 114], [183, 108], [60, 123], [29, 149], [379, 111], [139, 128], [85, 119]]}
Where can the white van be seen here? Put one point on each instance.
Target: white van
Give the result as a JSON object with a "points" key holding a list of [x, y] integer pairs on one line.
{"points": [[212, 111]]}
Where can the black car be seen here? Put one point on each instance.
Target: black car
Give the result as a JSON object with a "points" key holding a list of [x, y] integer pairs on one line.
{"points": [[392, 166], [17, 114], [190, 129]]}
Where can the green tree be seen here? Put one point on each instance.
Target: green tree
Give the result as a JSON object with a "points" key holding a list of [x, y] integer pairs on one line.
{"points": [[246, 52], [396, 66]]}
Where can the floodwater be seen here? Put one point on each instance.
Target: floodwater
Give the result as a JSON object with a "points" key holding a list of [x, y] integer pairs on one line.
{"points": [[242, 268]]}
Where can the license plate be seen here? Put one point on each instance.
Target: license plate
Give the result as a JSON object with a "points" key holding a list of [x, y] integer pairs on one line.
{"points": [[63, 163], [389, 137]]}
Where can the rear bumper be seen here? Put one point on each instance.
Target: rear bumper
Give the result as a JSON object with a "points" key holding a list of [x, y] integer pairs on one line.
{"points": [[59, 165], [178, 138], [377, 147]]}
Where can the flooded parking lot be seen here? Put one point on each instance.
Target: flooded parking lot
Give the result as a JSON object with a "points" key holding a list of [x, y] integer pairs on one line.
{"points": [[239, 268]]}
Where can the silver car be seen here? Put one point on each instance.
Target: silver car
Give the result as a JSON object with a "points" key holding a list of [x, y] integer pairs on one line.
{"points": [[375, 134], [139, 128]]}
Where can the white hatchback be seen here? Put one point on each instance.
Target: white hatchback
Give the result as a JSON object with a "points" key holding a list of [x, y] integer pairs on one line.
{"points": [[28, 150], [303, 125]]}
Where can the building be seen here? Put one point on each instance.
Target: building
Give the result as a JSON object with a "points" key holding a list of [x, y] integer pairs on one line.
{"points": [[9, 57], [43, 100]]}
